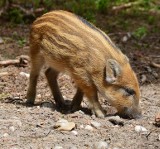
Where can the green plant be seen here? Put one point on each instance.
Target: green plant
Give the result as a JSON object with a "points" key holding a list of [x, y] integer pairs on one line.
{"points": [[21, 42], [140, 32], [86, 8], [102, 5], [15, 15]]}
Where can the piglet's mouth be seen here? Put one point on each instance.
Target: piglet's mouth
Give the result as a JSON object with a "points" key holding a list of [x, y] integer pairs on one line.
{"points": [[129, 113]]}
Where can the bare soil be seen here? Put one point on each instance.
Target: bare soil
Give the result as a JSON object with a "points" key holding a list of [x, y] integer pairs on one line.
{"points": [[23, 127]]}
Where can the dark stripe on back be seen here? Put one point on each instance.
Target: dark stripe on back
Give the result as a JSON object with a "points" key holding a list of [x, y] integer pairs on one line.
{"points": [[97, 30]]}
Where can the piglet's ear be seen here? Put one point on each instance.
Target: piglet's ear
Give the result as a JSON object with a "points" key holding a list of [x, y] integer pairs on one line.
{"points": [[112, 71]]}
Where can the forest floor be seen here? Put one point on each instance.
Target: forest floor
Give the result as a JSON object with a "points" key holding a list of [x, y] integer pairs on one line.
{"points": [[23, 127]]}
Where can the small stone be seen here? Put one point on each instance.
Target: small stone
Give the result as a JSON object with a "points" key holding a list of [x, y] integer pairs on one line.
{"points": [[24, 74], [5, 135], [29, 108], [139, 128], [58, 147], [116, 120], [19, 123], [64, 125], [124, 39], [13, 148], [155, 75], [12, 128], [159, 137], [157, 119], [39, 96], [143, 78], [16, 97], [1, 40], [73, 147], [81, 126], [88, 127], [47, 105], [95, 124], [93, 116], [129, 35], [38, 107], [74, 132], [81, 112], [148, 69], [100, 145]]}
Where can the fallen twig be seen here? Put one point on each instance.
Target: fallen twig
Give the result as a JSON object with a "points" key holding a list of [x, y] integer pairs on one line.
{"points": [[25, 11], [21, 61], [3, 74], [125, 6], [5, 7], [145, 97], [9, 62], [155, 64]]}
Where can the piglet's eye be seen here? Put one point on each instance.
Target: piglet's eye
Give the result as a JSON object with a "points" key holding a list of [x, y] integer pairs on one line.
{"points": [[129, 91]]}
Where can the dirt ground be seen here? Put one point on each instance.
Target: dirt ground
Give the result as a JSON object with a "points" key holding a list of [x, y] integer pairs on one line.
{"points": [[23, 127]]}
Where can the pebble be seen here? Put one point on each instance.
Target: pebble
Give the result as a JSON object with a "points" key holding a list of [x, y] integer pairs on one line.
{"points": [[1, 40], [47, 105], [73, 147], [88, 127], [64, 125], [12, 128], [74, 132], [101, 145], [125, 38], [116, 120], [81, 112], [139, 128], [19, 123], [81, 126], [39, 96], [14, 148], [95, 124], [5, 135], [58, 147], [24, 74], [38, 107], [157, 119], [159, 137]]}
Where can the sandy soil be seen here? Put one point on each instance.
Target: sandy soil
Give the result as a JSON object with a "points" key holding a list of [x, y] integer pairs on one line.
{"points": [[23, 127], [32, 127]]}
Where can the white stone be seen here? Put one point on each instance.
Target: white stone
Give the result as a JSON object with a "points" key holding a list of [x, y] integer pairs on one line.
{"points": [[73, 147], [101, 145], [64, 125], [81, 126], [5, 135], [38, 107], [58, 147], [19, 123], [39, 96], [12, 128], [95, 124], [125, 38], [74, 132], [24, 74], [81, 112], [139, 128], [1, 40], [159, 137], [88, 127], [47, 105]]}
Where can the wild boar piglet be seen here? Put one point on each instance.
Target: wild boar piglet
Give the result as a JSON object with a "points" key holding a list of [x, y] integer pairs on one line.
{"points": [[68, 43]]}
